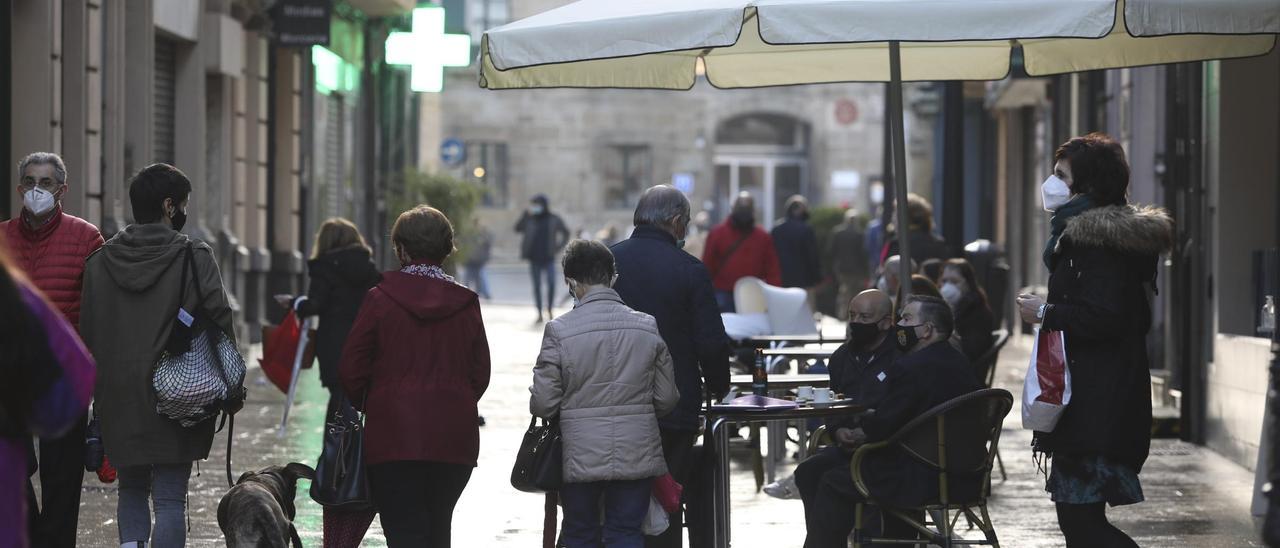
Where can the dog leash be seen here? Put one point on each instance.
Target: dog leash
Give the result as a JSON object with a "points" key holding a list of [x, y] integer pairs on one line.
{"points": [[231, 428]]}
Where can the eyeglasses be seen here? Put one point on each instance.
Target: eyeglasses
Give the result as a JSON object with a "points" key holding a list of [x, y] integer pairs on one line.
{"points": [[48, 185]]}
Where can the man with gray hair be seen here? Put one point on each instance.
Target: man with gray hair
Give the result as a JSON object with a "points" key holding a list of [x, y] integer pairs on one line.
{"points": [[50, 246], [657, 278]]}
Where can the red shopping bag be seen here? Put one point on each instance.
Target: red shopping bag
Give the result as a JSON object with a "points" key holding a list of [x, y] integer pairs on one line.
{"points": [[279, 347], [667, 491], [1047, 389]]}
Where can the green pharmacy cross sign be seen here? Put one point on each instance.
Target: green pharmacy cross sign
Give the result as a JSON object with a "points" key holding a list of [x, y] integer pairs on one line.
{"points": [[427, 50]]}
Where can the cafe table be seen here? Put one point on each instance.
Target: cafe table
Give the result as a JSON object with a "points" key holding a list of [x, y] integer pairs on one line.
{"points": [[777, 429], [718, 419]]}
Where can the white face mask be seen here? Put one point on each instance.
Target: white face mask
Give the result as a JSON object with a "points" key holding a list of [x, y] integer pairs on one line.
{"points": [[951, 293], [39, 201], [1055, 193]]}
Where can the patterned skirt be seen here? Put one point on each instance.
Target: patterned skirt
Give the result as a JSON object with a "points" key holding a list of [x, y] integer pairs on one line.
{"points": [[1088, 479]]}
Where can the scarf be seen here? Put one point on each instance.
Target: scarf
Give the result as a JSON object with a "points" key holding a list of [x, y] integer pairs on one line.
{"points": [[428, 271], [1058, 223]]}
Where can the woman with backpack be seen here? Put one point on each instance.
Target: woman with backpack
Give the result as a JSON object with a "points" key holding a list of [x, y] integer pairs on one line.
{"points": [[137, 290]]}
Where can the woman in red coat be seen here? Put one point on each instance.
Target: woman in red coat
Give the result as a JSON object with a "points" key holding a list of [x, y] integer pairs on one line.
{"points": [[417, 361]]}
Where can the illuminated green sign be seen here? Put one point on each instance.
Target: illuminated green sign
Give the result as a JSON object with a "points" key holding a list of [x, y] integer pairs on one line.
{"points": [[333, 74], [427, 50]]}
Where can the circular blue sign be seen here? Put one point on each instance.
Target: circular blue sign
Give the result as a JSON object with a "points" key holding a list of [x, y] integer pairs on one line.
{"points": [[453, 152]]}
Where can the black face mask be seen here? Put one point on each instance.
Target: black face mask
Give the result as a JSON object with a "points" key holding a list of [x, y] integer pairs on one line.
{"points": [[179, 218], [743, 220], [905, 337], [861, 334]]}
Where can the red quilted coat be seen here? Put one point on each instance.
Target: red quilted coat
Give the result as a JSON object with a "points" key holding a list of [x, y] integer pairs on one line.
{"points": [[53, 256]]}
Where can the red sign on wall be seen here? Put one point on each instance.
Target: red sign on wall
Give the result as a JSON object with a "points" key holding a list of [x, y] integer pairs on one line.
{"points": [[846, 112]]}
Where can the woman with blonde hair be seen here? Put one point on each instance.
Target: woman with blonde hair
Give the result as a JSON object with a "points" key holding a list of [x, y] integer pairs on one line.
{"points": [[341, 271]]}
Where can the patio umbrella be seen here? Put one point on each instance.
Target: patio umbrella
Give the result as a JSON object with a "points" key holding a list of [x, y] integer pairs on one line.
{"points": [[659, 44]]}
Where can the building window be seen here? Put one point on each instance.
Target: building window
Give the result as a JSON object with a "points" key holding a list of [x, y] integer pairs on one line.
{"points": [[628, 170], [483, 15], [486, 166]]}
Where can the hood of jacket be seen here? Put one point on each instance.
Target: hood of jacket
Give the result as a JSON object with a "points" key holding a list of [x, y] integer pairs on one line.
{"points": [[139, 255], [350, 264], [426, 298], [1146, 230]]}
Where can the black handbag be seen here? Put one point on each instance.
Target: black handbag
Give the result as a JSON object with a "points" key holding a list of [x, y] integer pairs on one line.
{"points": [[341, 480], [539, 464]]}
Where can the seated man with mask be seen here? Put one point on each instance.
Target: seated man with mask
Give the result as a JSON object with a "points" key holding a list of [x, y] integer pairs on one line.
{"points": [[859, 369], [929, 372]]}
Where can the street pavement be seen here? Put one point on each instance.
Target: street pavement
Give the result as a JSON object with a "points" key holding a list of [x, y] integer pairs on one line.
{"points": [[1194, 497]]}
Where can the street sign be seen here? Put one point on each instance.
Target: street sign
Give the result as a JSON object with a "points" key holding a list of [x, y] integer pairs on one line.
{"points": [[427, 50], [683, 182], [301, 23], [453, 152]]}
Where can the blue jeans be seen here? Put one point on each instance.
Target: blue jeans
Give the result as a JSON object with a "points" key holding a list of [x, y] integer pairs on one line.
{"points": [[625, 505], [724, 299], [538, 271], [478, 280], [166, 486]]}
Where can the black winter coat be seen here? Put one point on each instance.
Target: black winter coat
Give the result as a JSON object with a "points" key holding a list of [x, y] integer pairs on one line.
{"points": [[797, 248], [659, 279], [861, 376], [917, 383], [339, 280], [924, 246], [974, 324], [1098, 298]]}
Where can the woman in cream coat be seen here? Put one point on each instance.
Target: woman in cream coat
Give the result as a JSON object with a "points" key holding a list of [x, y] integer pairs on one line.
{"points": [[606, 373]]}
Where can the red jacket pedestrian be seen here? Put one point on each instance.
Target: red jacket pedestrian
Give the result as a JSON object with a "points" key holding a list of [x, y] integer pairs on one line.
{"points": [[734, 252], [52, 255]]}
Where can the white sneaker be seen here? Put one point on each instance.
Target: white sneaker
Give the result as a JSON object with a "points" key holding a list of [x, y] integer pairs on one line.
{"points": [[784, 488]]}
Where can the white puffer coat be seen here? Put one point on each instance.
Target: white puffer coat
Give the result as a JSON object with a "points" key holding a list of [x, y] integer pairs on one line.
{"points": [[605, 370]]}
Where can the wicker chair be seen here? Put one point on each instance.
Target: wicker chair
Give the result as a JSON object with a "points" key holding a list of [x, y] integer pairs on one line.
{"points": [[959, 436]]}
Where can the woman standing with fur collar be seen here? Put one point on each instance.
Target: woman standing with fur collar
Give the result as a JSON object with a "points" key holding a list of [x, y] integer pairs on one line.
{"points": [[1102, 258]]}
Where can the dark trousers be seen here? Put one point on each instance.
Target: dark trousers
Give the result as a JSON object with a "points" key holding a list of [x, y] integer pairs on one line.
{"points": [[830, 503], [539, 270], [415, 500], [677, 447], [61, 473], [724, 300], [625, 505]]}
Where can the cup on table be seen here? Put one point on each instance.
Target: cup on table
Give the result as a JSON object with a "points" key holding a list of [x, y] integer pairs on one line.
{"points": [[822, 395], [804, 393]]}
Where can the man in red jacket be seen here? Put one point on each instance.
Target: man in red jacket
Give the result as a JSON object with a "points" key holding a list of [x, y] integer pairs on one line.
{"points": [[737, 248], [50, 247]]}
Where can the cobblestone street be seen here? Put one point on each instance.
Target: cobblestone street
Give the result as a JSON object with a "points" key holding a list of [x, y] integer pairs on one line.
{"points": [[1194, 497]]}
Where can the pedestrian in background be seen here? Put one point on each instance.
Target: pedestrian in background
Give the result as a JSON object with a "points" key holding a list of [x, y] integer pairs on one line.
{"points": [[848, 255], [925, 244], [137, 275], [1102, 257], [416, 362], [544, 235], [48, 380], [657, 278], [797, 246], [605, 372], [974, 320], [479, 251], [50, 246], [737, 248], [341, 271]]}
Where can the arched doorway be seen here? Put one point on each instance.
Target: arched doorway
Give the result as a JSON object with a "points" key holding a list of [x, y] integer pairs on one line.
{"points": [[765, 154]]}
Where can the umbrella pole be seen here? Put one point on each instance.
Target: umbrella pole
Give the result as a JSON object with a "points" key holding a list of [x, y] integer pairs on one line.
{"points": [[899, 171], [293, 379]]}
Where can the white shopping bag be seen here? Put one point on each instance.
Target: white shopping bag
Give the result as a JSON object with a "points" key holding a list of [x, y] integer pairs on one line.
{"points": [[1047, 389], [655, 521]]}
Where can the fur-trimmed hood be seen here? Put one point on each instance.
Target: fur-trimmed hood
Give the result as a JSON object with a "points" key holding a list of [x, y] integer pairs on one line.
{"points": [[1146, 230]]}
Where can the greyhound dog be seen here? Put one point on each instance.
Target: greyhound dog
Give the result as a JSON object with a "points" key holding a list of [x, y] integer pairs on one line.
{"points": [[258, 511]]}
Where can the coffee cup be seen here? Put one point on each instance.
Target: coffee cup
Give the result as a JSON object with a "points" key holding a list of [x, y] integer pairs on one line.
{"points": [[821, 395], [804, 393]]}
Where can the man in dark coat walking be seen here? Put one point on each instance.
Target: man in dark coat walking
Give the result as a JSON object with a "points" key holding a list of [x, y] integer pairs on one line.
{"points": [[930, 372], [657, 278], [797, 246], [544, 236]]}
